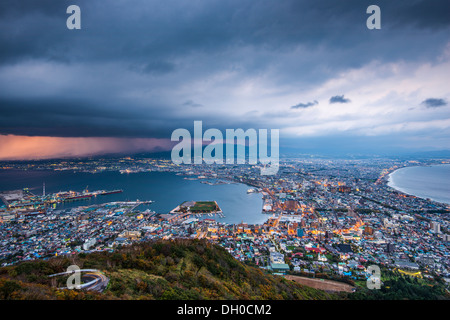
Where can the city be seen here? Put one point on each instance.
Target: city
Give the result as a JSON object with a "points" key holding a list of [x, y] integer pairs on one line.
{"points": [[229, 157], [325, 218]]}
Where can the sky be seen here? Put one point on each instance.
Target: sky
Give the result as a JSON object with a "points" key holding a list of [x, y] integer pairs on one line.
{"points": [[137, 70]]}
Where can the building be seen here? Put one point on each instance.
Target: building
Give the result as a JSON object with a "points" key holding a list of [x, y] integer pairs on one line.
{"points": [[368, 230], [277, 263], [446, 237], [276, 257], [345, 189], [132, 235], [88, 244], [279, 267], [435, 227], [390, 247], [344, 248], [291, 205], [6, 217], [406, 264]]}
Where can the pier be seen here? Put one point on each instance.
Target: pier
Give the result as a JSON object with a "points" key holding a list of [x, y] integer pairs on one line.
{"points": [[23, 199]]}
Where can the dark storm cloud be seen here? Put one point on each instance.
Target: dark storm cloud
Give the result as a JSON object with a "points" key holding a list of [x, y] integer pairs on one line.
{"points": [[185, 42], [432, 14], [77, 118], [434, 103], [339, 99], [190, 103], [149, 29], [305, 105]]}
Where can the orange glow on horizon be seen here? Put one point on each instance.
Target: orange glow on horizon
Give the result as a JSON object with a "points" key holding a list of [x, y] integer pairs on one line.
{"points": [[14, 147]]}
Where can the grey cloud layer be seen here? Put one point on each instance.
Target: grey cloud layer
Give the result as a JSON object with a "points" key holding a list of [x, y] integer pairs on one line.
{"points": [[154, 60]]}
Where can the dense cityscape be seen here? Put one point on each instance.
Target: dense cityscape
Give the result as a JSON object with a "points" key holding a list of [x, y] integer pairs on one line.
{"points": [[332, 217]]}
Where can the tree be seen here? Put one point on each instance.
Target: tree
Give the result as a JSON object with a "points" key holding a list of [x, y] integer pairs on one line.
{"points": [[7, 288], [199, 263]]}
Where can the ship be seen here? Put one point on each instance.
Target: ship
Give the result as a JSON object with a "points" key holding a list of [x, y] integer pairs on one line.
{"points": [[86, 195], [79, 196], [102, 193]]}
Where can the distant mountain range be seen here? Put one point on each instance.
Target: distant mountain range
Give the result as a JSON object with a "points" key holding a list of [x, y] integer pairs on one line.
{"points": [[294, 152], [291, 152]]}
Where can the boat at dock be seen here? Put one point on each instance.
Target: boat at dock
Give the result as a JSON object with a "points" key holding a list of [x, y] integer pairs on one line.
{"points": [[102, 192], [73, 195], [78, 197]]}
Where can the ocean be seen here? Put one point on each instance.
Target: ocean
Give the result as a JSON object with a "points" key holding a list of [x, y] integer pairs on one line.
{"points": [[166, 189], [432, 182]]}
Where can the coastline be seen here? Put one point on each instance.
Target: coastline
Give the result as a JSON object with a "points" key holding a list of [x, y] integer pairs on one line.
{"points": [[411, 190], [157, 186]]}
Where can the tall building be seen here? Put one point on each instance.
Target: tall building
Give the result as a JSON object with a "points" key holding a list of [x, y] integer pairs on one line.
{"points": [[345, 189], [292, 228], [435, 227], [291, 205], [368, 230], [390, 247]]}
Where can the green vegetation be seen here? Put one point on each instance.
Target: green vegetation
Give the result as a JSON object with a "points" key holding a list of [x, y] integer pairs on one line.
{"points": [[191, 269], [179, 269], [397, 286], [204, 206], [198, 207]]}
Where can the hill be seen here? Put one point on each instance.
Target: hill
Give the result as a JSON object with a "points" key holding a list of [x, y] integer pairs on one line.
{"points": [[178, 269]]}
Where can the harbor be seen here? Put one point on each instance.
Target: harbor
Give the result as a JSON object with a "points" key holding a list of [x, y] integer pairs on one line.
{"points": [[25, 200], [166, 189]]}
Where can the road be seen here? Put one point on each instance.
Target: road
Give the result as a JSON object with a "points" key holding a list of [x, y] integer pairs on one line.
{"points": [[93, 279], [97, 281]]}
